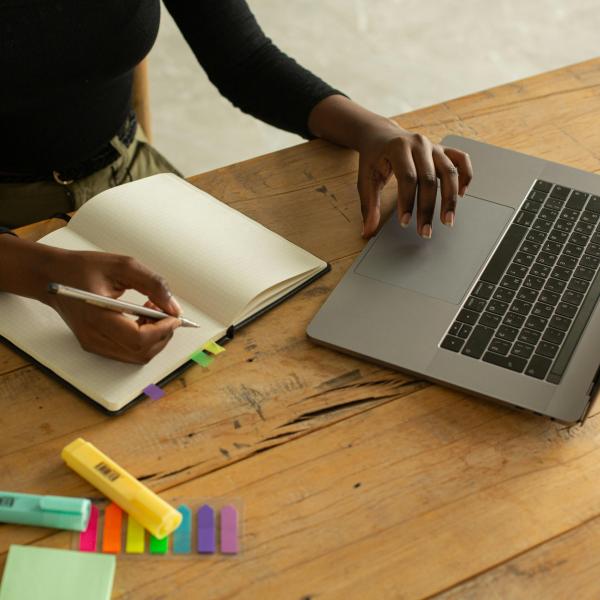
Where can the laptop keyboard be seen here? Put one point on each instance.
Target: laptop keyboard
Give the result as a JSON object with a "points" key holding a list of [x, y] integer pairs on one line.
{"points": [[532, 302]]}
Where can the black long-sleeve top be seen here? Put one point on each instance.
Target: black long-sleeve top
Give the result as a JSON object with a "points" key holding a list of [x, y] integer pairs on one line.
{"points": [[67, 67]]}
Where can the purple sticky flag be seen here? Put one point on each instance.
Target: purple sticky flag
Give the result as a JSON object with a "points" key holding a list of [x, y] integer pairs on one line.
{"points": [[229, 530], [154, 391], [206, 530]]}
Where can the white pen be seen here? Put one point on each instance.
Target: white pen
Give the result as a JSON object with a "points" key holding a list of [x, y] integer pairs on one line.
{"points": [[112, 304]]}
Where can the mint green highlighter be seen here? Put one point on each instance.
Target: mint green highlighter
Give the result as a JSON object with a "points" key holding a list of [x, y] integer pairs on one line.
{"points": [[59, 512]]}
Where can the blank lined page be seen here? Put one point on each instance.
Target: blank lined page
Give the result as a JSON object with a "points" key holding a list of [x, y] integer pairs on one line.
{"points": [[212, 256]]}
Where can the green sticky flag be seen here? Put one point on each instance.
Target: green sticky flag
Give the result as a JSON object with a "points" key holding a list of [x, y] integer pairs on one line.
{"points": [[54, 574], [159, 546], [202, 358]]}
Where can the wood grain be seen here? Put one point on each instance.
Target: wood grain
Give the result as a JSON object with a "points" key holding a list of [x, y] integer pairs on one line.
{"points": [[356, 481]]}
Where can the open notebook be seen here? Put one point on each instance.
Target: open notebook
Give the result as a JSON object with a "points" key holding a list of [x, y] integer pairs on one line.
{"points": [[223, 268]]}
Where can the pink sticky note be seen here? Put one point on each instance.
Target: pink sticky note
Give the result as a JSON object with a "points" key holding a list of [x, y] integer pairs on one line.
{"points": [[88, 538], [229, 530], [154, 391]]}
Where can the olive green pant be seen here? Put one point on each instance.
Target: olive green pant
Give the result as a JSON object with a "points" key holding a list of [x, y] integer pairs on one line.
{"points": [[24, 203]]}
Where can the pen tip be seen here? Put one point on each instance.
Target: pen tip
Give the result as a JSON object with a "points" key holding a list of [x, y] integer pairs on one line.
{"points": [[53, 288]]}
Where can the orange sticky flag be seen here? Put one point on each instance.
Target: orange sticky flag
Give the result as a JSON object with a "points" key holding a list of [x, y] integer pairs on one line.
{"points": [[111, 535]]}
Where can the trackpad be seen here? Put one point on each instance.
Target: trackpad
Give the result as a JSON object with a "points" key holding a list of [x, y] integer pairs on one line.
{"points": [[445, 266]]}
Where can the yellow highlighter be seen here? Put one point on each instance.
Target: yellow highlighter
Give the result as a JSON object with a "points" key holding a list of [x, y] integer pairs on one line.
{"points": [[151, 511]]}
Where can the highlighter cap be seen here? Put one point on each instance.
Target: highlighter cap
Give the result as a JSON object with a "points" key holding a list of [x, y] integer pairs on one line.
{"points": [[59, 512]]}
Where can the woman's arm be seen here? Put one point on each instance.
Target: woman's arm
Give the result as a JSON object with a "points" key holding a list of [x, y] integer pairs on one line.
{"points": [[26, 269]]}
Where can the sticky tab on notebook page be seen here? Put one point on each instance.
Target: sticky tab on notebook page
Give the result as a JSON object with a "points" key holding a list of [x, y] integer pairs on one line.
{"points": [[135, 542], [229, 530], [201, 358], [182, 536], [89, 537], [159, 546], [206, 530], [153, 391], [111, 534], [213, 348]]}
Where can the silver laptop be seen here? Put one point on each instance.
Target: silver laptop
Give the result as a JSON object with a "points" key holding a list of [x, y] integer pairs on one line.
{"points": [[504, 305]]}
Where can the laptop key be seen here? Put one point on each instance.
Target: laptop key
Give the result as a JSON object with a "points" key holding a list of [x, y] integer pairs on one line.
{"points": [[536, 236], [541, 225], [584, 273], [553, 204], [589, 217], [567, 262], [552, 247], [503, 254], [554, 336], [593, 250], [542, 186], [531, 206], [523, 259], [521, 349], [529, 247], [573, 250], [548, 214], [507, 333], [566, 310], [570, 214], [572, 297], [520, 307], [579, 239], [514, 363], [546, 259], [499, 346], [464, 332], [452, 343], [562, 273], [577, 200], [564, 225], [478, 341], [559, 322], [474, 303], [556, 285], [542, 310], [579, 285], [504, 294], [558, 236], [514, 319], [548, 297], [547, 349], [535, 283], [594, 204], [585, 228], [513, 283], [489, 320], [539, 270], [538, 366], [516, 270], [589, 262], [558, 191], [496, 307], [483, 290], [527, 295], [529, 336], [525, 218], [467, 316], [455, 328], [537, 323]]}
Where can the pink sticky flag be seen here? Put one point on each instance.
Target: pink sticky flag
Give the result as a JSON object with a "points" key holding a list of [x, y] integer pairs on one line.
{"points": [[229, 530], [88, 538]]}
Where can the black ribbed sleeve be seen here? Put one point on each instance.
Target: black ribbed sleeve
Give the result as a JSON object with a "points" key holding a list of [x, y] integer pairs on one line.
{"points": [[245, 65]]}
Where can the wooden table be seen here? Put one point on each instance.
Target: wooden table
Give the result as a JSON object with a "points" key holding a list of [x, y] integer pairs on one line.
{"points": [[356, 481]]}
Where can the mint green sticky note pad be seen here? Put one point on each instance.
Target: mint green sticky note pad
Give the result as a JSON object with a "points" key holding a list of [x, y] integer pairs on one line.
{"points": [[34, 573]]}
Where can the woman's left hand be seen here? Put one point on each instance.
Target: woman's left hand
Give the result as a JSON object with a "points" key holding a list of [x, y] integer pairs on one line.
{"points": [[417, 163]]}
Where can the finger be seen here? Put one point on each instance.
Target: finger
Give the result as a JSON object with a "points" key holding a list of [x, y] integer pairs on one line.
{"points": [[405, 171], [448, 175], [135, 340], [132, 274], [462, 161], [427, 186], [369, 187], [144, 320]]}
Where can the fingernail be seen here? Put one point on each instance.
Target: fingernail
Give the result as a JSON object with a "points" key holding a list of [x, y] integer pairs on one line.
{"points": [[426, 231], [405, 220], [449, 218], [175, 305]]}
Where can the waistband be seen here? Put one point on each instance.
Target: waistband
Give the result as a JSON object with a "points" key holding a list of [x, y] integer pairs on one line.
{"points": [[107, 155]]}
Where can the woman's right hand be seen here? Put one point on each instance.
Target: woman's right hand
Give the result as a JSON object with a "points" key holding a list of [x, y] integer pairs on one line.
{"points": [[103, 331]]}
